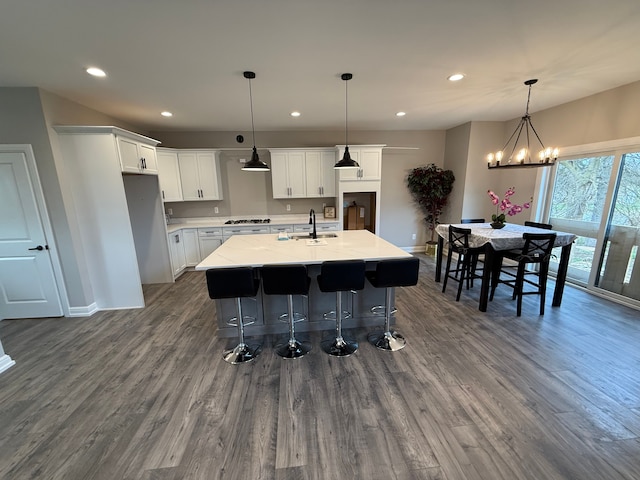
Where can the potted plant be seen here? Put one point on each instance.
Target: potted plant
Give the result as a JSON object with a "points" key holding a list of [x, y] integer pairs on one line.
{"points": [[430, 187]]}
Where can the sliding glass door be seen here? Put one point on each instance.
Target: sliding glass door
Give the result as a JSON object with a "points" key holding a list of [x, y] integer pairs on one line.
{"points": [[597, 197], [619, 266]]}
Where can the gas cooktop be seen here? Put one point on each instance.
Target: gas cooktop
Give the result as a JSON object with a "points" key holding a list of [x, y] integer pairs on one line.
{"points": [[253, 220]]}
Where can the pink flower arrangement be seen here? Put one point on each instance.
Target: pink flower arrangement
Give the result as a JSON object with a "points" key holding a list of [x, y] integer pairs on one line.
{"points": [[506, 206]]}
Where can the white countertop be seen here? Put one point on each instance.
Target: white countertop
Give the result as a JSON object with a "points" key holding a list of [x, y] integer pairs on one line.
{"points": [[206, 222], [259, 250]]}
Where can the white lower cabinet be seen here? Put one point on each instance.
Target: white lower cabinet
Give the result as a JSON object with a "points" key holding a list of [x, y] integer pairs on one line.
{"points": [[177, 253], [191, 246], [228, 232], [208, 240]]}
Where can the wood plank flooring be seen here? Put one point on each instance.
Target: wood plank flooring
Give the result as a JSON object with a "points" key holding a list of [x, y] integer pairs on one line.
{"points": [[144, 394]]}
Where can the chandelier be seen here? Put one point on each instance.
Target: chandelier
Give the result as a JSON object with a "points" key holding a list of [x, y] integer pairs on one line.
{"points": [[522, 158]]}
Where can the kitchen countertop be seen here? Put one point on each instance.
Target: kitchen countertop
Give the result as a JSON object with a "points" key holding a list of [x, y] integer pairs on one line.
{"points": [[205, 222], [266, 249]]}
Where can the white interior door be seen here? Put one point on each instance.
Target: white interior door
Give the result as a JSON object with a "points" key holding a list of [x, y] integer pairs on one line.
{"points": [[27, 284]]}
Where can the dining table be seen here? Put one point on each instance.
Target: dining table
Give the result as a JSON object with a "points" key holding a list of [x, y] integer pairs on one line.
{"points": [[494, 241]]}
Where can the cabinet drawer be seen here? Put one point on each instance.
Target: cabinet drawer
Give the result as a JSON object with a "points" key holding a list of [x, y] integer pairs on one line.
{"points": [[280, 228]]}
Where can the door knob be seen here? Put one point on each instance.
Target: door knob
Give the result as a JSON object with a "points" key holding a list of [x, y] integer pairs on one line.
{"points": [[39, 247]]}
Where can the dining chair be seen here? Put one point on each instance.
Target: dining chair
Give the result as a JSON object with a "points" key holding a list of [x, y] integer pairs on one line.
{"points": [[546, 226], [536, 250], [459, 243], [476, 256]]}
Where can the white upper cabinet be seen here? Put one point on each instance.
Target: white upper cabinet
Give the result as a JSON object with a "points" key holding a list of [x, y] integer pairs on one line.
{"points": [[288, 173], [369, 157], [321, 177], [136, 156], [303, 173], [200, 174], [169, 175]]}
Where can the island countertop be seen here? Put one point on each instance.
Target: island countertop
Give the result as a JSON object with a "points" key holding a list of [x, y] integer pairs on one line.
{"points": [[266, 249]]}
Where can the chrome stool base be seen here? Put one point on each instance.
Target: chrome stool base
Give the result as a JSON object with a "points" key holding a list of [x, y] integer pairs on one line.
{"points": [[242, 353], [293, 349], [389, 341], [339, 347]]}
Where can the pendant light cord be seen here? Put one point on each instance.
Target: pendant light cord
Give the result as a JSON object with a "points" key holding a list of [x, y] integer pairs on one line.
{"points": [[346, 113], [253, 130]]}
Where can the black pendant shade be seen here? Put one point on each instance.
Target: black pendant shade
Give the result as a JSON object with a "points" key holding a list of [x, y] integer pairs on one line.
{"points": [[347, 161], [255, 164]]}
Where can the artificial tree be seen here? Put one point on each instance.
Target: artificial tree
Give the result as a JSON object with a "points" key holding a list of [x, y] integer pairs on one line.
{"points": [[430, 187]]}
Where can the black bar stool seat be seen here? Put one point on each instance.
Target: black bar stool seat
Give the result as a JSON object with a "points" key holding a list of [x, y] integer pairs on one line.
{"points": [[339, 277], [288, 280], [235, 283], [388, 274]]}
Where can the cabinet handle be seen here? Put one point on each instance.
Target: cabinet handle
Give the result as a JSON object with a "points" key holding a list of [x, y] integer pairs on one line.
{"points": [[177, 238], [162, 194]]}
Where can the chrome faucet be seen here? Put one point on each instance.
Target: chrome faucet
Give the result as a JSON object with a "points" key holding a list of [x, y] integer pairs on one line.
{"points": [[312, 221]]}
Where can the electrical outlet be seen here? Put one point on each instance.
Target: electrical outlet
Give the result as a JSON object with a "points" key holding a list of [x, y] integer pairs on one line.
{"points": [[413, 237], [288, 207], [170, 211], [216, 210]]}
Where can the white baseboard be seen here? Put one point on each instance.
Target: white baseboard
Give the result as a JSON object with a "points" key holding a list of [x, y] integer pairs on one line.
{"points": [[86, 311], [6, 362]]}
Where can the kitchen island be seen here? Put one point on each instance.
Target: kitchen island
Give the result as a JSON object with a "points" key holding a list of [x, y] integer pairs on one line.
{"points": [[259, 250]]}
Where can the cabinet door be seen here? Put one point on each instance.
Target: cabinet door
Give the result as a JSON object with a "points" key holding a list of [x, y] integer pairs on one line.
{"points": [[327, 161], [208, 245], [176, 250], [315, 174], [279, 178], [297, 174], [370, 164], [188, 164], [169, 176], [129, 159], [191, 246], [209, 176], [147, 155]]}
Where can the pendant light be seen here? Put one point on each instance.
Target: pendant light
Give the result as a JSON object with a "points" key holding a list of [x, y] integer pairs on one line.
{"points": [[255, 164], [546, 156], [347, 161]]}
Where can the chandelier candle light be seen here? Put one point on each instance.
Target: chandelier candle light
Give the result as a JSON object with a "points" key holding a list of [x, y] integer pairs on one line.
{"points": [[546, 156]]}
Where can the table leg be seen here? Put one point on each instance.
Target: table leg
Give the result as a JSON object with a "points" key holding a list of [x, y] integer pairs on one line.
{"points": [[489, 260], [561, 276], [439, 258]]}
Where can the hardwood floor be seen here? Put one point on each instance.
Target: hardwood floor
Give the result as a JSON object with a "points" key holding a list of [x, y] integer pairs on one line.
{"points": [[144, 394]]}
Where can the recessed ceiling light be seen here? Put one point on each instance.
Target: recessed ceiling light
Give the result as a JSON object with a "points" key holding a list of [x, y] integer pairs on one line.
{"points": [[96, 72], [167, 114], [455, 77], [295, 114], [401, 114]]}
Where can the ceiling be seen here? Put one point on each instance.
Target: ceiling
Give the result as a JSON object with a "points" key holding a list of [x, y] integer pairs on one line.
{"points": [[188, 57]]}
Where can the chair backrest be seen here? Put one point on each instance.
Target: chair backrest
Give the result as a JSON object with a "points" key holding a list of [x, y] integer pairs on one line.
{"points": [[546, 226], [232, 282], [285, 279], [459, 238], [401, 272], [341, 275], [472, 220], [537, 247]]}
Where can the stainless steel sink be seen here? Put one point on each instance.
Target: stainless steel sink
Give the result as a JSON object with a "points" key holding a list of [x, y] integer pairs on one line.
{"points": [[306, 236]]}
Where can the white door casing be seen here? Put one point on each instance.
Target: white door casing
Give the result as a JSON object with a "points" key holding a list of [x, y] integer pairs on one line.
{"points": [[28, 287]]}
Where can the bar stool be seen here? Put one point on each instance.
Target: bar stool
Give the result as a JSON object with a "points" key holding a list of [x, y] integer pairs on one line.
{"points": [[288, 280], [235, 283], [339, 277], [392, 273]]}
